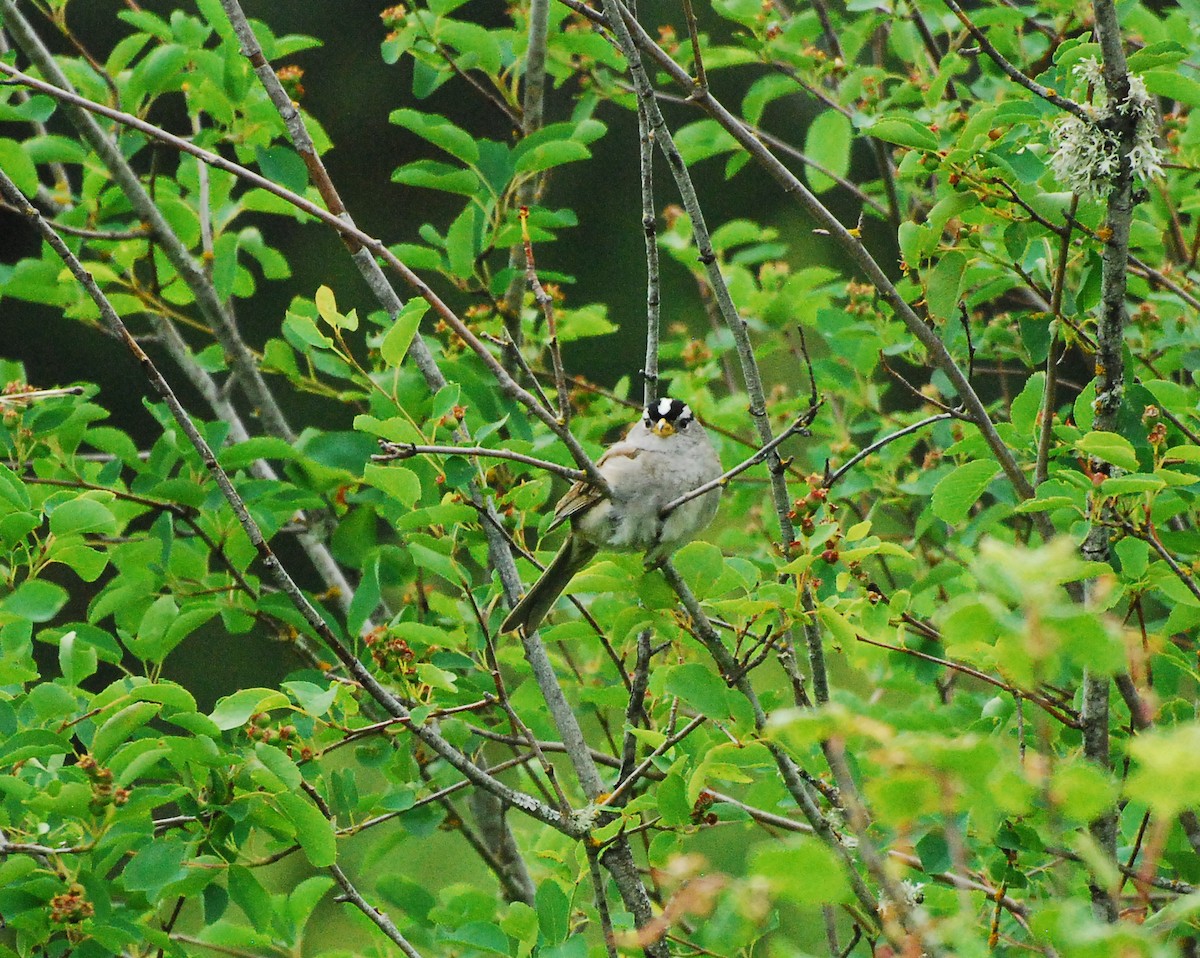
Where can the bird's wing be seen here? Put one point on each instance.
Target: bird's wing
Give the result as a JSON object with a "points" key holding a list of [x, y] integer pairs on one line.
{"points": [[583, 495]]}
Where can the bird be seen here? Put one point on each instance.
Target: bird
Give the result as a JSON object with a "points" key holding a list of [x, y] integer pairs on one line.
{"points": [[665, 454]]}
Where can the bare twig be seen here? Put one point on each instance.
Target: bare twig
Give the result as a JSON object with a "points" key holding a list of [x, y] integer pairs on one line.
{"points": [[406, 450], [653, 284], [378, 918], [546, 302], [878, 444], [33, 395], [635, 711]]}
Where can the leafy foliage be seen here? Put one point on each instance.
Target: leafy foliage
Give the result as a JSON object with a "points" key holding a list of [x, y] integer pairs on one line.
{"points": [[866, 704]]}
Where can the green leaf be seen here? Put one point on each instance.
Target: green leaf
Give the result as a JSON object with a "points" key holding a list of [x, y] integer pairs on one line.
{"points": [[960, 489], [31, 743], [1028, 404], [35, 600], [117, 729], [548, 155], [152, 629], [944, 285], [302, 902], [701, 564], [242, 454], [521, 923], [439, 131], [19, 167], [283, 165], [802, 871], [250, 896], [460, 243], [328, 311], [395, 343], [156, 865], [436, 678], [1109, 447], [700, 687], [1164, 53], [434, 175], [1132, 483], [400, 483], [1167, 772], [903, 131], [553, 912], [478, 936], [702, 139], [82, 515], [827, 142], [1173, 86], [584, 323], [278, 763], [225, 263], [305, 330], [314, 831], [435, 561], [233, 710]]}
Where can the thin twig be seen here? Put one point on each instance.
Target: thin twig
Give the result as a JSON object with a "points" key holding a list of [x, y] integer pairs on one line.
{"points": [[406, 450], [377, 917], [635, 711], [1009, 70], [798, 427], [667, 744], [653, 280], [598, 890], [701, 81], [1046, 430], [880, 443], [546, 302], [33, 395]]}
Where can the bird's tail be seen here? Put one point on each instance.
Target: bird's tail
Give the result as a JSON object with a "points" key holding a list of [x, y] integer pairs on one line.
{"points": [[529, 612]]}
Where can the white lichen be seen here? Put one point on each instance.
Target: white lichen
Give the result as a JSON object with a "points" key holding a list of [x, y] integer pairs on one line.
{"points": [[1087, 156]]}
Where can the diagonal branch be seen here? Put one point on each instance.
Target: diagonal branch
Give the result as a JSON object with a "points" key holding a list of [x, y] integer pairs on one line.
{"points": [[618, 858]]}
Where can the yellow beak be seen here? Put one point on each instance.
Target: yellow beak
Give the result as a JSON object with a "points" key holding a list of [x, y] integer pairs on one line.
{"points": [[663, 428]]}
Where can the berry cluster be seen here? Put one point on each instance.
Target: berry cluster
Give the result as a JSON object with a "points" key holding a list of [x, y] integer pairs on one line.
{"points": [[260, 729], [103, 793], [71, 907], [390, 653], [804, 510]]}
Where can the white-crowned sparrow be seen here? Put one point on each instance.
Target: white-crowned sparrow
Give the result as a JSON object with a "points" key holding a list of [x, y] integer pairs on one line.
{"points": [[666, 454]]}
